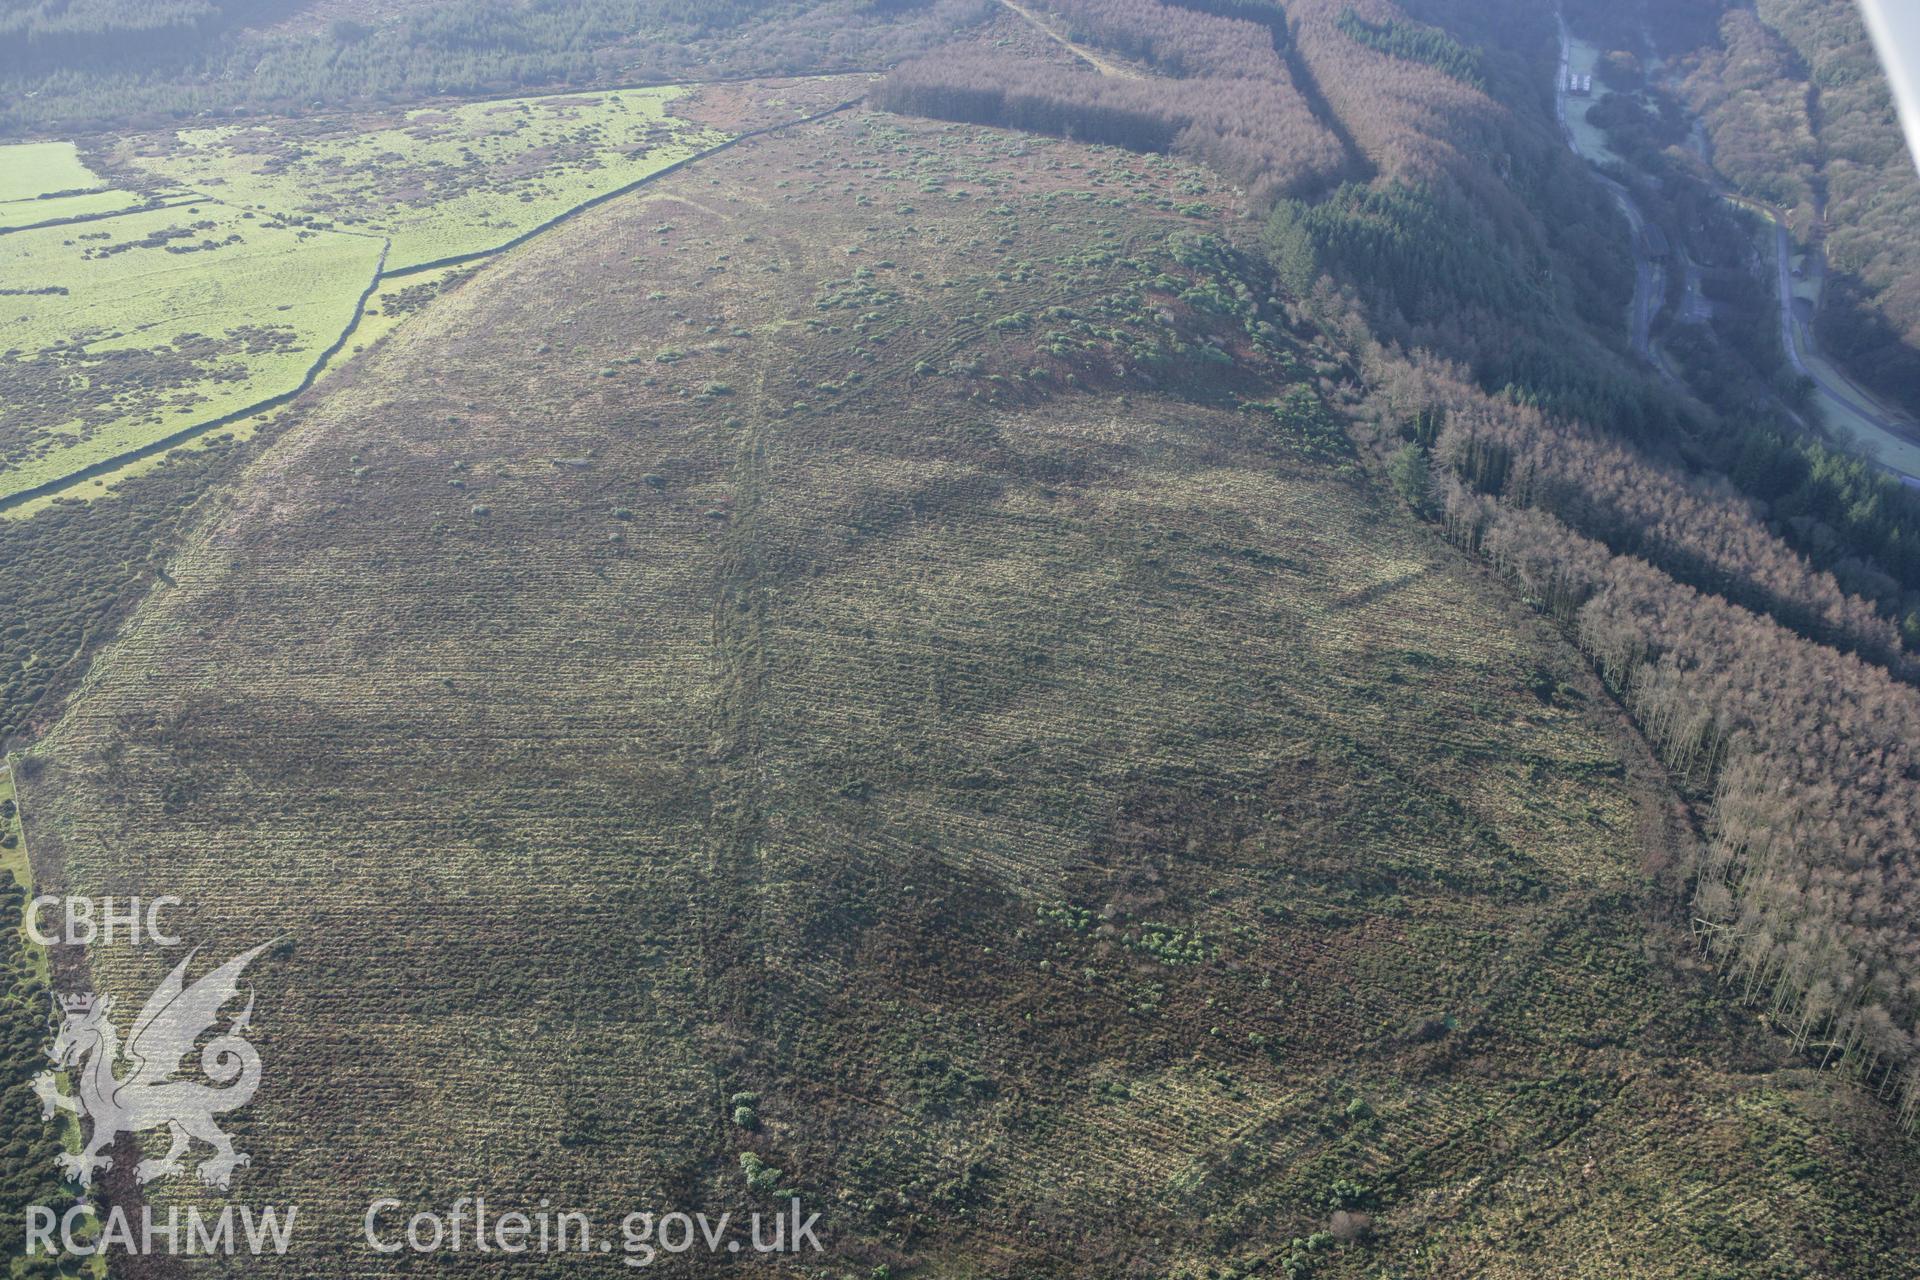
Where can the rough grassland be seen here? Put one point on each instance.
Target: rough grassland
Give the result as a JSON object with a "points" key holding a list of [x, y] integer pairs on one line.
{"points": [[917, 653], [442, 181], [121, 331]]}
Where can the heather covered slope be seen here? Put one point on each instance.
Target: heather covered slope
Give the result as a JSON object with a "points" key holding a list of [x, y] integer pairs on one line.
{"points": [[883, 624]]}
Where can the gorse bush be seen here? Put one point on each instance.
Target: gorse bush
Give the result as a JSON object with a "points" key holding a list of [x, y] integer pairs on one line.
{"points": [[28, 1142]]}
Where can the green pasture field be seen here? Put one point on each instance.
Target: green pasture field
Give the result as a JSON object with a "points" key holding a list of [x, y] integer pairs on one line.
{"points": [[48, 182], [391, 304], [442, 182], [119, 332], [29, 170]]}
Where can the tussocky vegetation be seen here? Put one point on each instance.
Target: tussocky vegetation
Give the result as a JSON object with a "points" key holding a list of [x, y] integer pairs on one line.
{"points": [[1106, 662], [1203, 875], [436, 184], [123, 330]]}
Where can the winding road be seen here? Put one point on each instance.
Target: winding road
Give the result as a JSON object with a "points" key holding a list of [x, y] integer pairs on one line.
{"points": [[1843, 408], [1105, 66], [1896, 449]]}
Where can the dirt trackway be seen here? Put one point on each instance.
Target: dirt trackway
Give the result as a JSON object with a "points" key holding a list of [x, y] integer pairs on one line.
{"points": [[1106, 66], [1649, 284]]}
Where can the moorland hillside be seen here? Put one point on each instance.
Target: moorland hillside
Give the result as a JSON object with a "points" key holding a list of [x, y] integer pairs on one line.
{"points": [[873, 670]]}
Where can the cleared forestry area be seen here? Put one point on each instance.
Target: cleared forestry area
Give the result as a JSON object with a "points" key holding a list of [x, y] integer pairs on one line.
{"points": [[885, 621]]}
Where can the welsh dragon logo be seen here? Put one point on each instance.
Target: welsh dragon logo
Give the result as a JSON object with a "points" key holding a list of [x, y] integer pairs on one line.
{"points": [[146, 1095]]}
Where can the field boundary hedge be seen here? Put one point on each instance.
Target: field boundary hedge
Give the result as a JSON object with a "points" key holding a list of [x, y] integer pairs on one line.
{"points": [[79, 218], [457, 259], [380, 276], [227, 419]]}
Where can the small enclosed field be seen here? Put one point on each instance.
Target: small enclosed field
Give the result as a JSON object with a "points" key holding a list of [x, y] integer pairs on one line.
{"points": [[38, 170], [47, 182], [119, 332]]}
